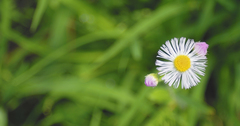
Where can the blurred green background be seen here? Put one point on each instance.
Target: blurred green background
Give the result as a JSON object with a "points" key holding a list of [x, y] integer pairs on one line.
{"points": [[83, 62]]}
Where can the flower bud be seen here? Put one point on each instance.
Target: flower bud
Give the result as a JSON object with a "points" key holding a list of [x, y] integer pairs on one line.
{"points": [[151, 80], [201, 48]]}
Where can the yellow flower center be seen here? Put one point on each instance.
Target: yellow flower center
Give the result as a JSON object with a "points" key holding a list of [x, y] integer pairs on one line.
{"points": [[182, 63]]}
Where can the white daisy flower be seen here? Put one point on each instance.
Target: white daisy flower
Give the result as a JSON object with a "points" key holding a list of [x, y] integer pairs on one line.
{"points": [[179, 62]]}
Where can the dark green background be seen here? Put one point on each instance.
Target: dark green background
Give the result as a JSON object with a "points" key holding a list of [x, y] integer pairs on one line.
{"points": [[83, 62]]}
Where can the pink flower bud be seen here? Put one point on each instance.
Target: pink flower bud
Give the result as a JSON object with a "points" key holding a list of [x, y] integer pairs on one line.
{"points": [[201, 48], [151, 80]]}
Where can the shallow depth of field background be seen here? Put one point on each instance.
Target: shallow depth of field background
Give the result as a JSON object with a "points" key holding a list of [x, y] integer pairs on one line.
{"points": [[83, 62]]}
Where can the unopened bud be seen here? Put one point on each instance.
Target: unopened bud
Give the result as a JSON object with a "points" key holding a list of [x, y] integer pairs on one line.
{"points": [[201, 48], [151, 80]]}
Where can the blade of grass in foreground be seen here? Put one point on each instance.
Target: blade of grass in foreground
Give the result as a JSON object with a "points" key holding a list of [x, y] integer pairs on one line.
{"points": [[129, 114], [96, 117], [205, 18], [61, 51], [41, 7], [227, 37], [5, 26], [160, 15], [82, 7], [3, 117]]}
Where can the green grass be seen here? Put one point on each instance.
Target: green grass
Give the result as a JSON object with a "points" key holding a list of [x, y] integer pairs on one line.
{"points": [[83, 62]]}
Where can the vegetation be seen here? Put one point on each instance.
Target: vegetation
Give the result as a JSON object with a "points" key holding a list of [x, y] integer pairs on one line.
{"points": [[83, 62]]}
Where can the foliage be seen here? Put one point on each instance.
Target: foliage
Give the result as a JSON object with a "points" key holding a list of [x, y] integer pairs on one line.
{"points": [[83, 62]]}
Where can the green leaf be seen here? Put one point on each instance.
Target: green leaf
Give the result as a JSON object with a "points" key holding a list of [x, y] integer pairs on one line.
{"points": [[159, 95], [136, 50], [41, 7], [162, 14], [3, 117]]}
